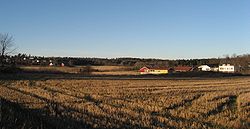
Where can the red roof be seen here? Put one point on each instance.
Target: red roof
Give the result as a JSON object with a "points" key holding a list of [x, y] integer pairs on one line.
{"points": [[156, 68], [143, 69], [160, 68], [183, 68]]}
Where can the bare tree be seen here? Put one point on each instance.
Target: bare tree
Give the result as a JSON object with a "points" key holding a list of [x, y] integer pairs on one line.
{"points": [[6, 46]]}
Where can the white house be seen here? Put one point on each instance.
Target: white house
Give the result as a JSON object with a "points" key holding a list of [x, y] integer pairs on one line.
{"points": [[227, 68], [204, 68]]}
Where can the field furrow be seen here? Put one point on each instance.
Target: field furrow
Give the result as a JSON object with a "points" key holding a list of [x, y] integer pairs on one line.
{"points": [[208, 103]]}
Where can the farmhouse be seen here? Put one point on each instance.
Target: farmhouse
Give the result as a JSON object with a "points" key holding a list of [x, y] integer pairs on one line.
{"points": [[147, 70], [204, 68], [183, 69], [227, 68]]}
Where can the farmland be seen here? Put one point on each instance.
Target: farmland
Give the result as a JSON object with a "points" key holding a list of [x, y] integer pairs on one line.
{"points": [[91, 70], [100, 103]]}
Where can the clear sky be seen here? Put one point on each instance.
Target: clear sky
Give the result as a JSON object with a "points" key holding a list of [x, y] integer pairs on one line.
{"points": [[168, 29]]}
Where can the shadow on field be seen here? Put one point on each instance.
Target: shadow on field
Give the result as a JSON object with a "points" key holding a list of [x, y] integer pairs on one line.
{"points": [[15, 116], [170, 76], [38, 76], [53, 115]]}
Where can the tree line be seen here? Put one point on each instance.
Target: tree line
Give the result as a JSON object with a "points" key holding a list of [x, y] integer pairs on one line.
{"points": [[24, 59], [7, 47]]}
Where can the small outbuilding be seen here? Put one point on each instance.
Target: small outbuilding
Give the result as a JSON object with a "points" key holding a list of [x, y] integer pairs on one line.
{"points": [[215, 69]]}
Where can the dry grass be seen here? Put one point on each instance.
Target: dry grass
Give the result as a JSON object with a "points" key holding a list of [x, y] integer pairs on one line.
{"points": [[50, 69], [209, 103], [96, 70]]}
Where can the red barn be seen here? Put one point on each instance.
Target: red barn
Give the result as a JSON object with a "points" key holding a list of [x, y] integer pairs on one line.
{"points": [[183, 68]]}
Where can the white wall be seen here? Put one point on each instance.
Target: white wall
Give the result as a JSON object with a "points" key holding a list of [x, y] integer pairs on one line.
{"points": [[204, 68], [226, 68]]}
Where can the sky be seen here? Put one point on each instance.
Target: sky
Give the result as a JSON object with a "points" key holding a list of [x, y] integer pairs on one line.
{"points": [[165, 29]]}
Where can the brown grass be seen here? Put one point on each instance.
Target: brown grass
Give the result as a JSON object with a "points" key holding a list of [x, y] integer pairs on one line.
{"points": [[95, 70], [209, 103]]}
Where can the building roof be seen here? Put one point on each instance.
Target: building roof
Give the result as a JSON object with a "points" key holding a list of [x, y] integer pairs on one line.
{"points": [[183, 68], [226, 65], [158, 68], [202, 66], [152, 68], [143, 69]]}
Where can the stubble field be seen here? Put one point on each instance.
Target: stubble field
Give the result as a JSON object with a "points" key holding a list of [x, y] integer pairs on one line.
{"points": [[191, 103]]}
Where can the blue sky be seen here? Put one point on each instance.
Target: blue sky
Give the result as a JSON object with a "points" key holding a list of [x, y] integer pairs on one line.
{"points": [[167, 29]]}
